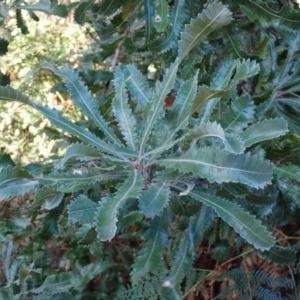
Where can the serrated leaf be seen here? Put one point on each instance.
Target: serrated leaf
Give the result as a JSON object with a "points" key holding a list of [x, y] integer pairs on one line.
{"points": [[82, 210], [56, 10], [265, 130], [137, 85], [54, 284], [80, 151], [150, 256], [55, 117], [286, 18], [242, 222], [83, 98], [161, 18], [78, 179], [3, 47], [48, 197], [239, 114], [214, 17], [109, 7], [20, 22], [219, 166], [15, 181], [154, 199], [106, 215], [169, 41], [233, 143], [123, 114], [155, 107]]}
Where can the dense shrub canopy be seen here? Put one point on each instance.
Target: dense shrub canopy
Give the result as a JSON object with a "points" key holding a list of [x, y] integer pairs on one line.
{"points": [[182, 165]]}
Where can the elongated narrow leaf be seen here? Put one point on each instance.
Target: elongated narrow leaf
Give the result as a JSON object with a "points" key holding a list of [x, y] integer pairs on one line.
{"points": [[265, 130], [154, 199], [179, 114], [109, 7], [56, 283], [7, 93], [20, 22], [239, 114], [214, 17], [233, 143], [56, 10], [106, 215], [287, 18], [65, 124], [150, 257], [188, 246], [80, 151], [242, 222], [72, 182], [155, 107], [48, 197], [161, 18], [148, 17], [15, 181], [83, 98], [169, 41], [126, 120], [82, 210], [221, 166], [137, 85]]}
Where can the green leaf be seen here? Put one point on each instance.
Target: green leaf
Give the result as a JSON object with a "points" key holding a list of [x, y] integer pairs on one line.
{"points": [[48, 197], [233, 143], [106, 215], [3, 47], [82, 97], [109, 7], [20, 22], [55, 284], [150, 256], [87, 273], [287, 18], [123, 114], [188, 246], [161, 18], [56, 10], [79, 14], [8, 93], [80, 151], [78, 179], [169, 41], [82, 210], [224, 82], [214, 17], [154, 199], [265, 130], [15, 181], [137, 84], [239, 114], [219, 166], [280, 256], [155, 107], [148, 15], [242, 222]]}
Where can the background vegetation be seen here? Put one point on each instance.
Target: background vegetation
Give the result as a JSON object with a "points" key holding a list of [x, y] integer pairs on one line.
{"points": [[170, 169]]}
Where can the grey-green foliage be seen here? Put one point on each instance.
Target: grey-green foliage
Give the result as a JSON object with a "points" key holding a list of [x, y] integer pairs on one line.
{"points": [[180, 174]]}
